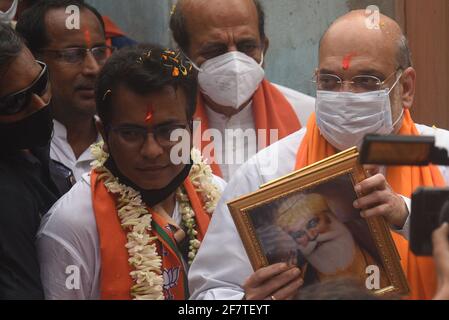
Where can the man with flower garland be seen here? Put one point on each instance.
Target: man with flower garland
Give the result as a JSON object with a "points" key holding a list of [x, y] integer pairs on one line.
{"points": [[131, 228]]}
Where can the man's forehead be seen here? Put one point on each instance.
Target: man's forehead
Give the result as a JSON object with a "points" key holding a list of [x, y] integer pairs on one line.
{"points": [[90, 28], [365, 63], [350, 35], [213, 15], [22, 70], [5, 4], [164, 102]]}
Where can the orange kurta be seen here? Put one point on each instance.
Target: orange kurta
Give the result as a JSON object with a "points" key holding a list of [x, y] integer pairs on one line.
{"points": [[116, 282], [270, 109], [420, 271]]}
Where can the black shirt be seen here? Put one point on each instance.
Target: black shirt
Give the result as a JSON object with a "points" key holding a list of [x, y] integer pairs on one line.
{"points": [[27, 192]]}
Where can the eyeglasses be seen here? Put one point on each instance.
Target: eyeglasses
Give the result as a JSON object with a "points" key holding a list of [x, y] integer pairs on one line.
{"points": [[78, 55], [361, 83], [135, 136], [16, 102], [313, 223]]}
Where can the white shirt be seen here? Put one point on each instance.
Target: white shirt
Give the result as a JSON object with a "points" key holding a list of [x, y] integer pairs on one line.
{"points": [[61, 151], [68, 240], [303, 105], [220, 274]]}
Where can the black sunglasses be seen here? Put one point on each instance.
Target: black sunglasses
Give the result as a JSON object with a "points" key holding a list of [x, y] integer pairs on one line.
{"points": [[16, 102]]}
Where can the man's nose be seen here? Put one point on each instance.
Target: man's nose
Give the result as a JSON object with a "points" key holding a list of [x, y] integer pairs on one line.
{"points": [[90, 65], [151, 149], [312, 234], [347, 86], [232, 47]]}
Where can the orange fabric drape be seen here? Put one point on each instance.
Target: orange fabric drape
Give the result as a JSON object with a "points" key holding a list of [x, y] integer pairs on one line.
{"points": [[420, 271], [116, 281], [111, 30], [270, 109]]}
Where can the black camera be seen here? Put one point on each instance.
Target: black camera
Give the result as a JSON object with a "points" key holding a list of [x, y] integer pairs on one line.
{"points": [[430, 206], [430, 209]]}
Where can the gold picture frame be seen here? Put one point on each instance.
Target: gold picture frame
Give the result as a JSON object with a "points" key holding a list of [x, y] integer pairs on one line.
{"points": [[294, 218]]}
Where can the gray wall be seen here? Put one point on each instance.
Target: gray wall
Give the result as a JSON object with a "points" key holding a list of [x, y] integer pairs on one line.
{"points": [[293, 26]]}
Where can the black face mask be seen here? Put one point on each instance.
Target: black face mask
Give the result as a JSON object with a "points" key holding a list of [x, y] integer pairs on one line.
{"points": [[33, 131], [150, 197]]}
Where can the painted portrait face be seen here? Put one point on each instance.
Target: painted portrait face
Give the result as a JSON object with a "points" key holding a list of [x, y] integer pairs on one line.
{"points": [[324, 241], [308, 228]]}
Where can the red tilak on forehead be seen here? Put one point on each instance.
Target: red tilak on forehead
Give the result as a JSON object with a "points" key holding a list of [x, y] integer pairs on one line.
{"points": [[88, 38], [149, 113], [347, 60]]}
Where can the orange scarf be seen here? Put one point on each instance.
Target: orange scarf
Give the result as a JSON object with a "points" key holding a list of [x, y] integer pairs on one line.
{"points": [[420, 271], [111, 30], [116, 282], [271, 110]]}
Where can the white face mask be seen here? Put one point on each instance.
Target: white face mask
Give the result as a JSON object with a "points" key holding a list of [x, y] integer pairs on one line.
{"points": [[8, 16], [344, 118], [231, 79]]}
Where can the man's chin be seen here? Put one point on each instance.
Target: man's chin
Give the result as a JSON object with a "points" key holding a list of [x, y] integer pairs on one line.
{"points": [[86, 107], [152, 181]]}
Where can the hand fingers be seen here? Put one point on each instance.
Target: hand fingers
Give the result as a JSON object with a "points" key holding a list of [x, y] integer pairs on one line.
{"points": [[264, 274], [278, 282], [289, 291], [382, 210], [371, 170], [371, 184], [275, 283], [373, 199], [440, 239]]}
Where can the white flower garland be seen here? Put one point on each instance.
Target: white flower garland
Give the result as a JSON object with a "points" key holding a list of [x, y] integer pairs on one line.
{"points": [[136, 219]]}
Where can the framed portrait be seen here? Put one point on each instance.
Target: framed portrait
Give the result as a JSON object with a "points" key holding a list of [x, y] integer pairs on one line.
{"points": [[308, 219]]}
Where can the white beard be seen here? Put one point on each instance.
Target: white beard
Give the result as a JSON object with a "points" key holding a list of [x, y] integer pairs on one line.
{"points": [[337, 253]]}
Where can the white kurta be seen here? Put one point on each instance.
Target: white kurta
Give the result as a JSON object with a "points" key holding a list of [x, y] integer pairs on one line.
{"points": [[303, 105], [68, 240], [220, 274], [61, 151]]}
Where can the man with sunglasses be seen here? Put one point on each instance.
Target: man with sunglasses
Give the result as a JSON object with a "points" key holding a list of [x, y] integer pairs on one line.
{"points": [[28, 179], [74, 58], [365, 84]]}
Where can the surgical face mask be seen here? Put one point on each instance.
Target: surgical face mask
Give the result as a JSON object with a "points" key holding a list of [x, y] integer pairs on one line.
{"points": [[344, 118], [8, 16], [231, 79]]}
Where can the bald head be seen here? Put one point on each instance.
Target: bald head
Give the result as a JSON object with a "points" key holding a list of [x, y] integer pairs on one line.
{"points": [[188, 10], [354, 47], [354, 29]]}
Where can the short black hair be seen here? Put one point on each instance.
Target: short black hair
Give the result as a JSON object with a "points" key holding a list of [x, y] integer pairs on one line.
{"points": [[31, 24], [10, 45], [142, 70], [178, 25]]}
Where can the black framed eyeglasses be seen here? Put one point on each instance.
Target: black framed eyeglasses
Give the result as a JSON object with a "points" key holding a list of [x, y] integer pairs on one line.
{"points": [[135, 136], [16, 102], [77, 55]]}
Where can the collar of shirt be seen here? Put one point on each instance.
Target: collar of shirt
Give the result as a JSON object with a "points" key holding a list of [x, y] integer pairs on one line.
{"points": [[229, 149], [62, 152], [243, 119]]}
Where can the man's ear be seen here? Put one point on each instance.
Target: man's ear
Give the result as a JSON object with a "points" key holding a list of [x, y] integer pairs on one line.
{"points": [[100, 128], [408, 83], [266, 44]]}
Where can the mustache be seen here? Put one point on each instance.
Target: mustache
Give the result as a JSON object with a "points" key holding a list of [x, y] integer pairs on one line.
{"points": [[85, 84]]}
